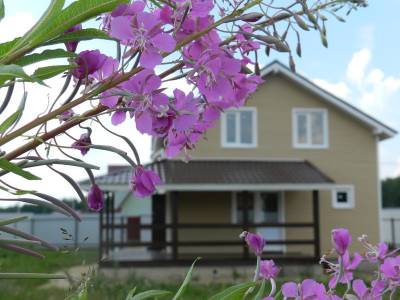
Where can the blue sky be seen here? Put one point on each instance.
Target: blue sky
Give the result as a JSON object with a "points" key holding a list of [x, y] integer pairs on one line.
{"points": [[361, 64]]}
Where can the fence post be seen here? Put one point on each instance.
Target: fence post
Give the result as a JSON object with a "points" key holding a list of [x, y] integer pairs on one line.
{"points": [[76, 233], [32, 226], [393, 231]]}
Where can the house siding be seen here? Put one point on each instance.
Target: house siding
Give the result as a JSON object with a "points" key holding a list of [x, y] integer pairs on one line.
{"points": [[349, 159]]}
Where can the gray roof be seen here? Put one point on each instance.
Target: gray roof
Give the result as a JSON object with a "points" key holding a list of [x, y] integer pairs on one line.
{"points": [[225, 172]]}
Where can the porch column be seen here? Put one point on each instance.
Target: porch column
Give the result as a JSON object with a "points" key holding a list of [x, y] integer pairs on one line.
{"points": [[245, 198], [317, 247], [174, 212]]}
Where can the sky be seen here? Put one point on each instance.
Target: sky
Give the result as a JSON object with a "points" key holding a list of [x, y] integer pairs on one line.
{"points": [[360, 65]]}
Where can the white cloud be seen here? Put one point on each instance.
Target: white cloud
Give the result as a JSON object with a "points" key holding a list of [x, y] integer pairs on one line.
{"points": [[356, 68], [339, 89]]}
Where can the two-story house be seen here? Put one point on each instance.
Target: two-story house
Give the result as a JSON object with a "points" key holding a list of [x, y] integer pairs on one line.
{"points": [[292, 164]]}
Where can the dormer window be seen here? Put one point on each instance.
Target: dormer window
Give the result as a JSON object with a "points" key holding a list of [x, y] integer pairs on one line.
{"points": [[310, 128], [239, 128]]}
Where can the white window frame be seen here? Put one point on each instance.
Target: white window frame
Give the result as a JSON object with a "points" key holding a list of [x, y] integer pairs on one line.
{"points": [[349, 189], [238, 144], [325, 128]]}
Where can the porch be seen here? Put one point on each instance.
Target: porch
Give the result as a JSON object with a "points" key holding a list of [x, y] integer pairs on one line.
{"points": [[205, 219]]}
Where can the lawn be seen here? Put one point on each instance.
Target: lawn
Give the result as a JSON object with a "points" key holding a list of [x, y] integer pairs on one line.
{"points": [[100, 288]]}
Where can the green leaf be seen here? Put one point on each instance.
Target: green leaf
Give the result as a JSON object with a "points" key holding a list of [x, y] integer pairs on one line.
{"points": [[76, 13], [9, 121], [261, 291], [235, 292], [50, 71], [2, 10], [8, 72], [7, 46], [45, 55], [10, 167], [81, 35], [150, 295], [185, 283], [131, 293]]}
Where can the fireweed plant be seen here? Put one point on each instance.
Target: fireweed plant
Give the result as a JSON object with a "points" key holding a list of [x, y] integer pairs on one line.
{"points": [[215, 46]]}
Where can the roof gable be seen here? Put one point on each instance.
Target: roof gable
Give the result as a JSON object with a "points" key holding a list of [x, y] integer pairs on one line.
{"points": [[381, 130]]}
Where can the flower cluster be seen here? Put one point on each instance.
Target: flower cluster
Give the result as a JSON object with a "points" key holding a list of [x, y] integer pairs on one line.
{"points": [[212, 68], [385, 280]]}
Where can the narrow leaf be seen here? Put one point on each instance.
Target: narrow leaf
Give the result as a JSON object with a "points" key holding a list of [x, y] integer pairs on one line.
{"points": [[8, 72], [80, 35], [234, 292], [12, 221], [45, 55], [31, 276], [9, 121], [76, 13], [10, 167], [2, 10], [50, 71], [150, 295], [186, 282], [261, 291], [26, 236]]}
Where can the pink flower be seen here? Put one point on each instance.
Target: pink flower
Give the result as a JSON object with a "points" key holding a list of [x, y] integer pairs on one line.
{"points": [[83, 143], [94, 65], [348, 267], [144, 182], [142, 31], [268, 269], [364, 293], [308, 290], [95, 198], [391, 270], [254, 241], [341, 240]]}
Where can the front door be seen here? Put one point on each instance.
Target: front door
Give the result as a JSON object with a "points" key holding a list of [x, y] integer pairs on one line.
{"points": [[268, 209]]}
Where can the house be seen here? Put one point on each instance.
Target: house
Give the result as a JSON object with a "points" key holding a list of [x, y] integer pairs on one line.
{"points": [[292, 164]]}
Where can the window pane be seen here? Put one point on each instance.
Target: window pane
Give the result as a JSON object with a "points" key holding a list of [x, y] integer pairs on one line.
{"points": [[231, 127], [269, 210], [240, 207], [246, 127], [342, 197], [317, 128], [301, 128]]}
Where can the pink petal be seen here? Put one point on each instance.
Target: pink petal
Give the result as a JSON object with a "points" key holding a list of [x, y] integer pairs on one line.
{"points": [[164, 42], [121, 29], [359, 287], [118, 117], [144, 122], [150, 58], [290, 290]]}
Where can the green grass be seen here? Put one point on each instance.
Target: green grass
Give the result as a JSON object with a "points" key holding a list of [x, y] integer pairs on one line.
{"points": [[12, 289]]}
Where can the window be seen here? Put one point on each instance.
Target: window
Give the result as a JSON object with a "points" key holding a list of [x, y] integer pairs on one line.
{"points": [[343, 197], [310, 128], [239, 127]]}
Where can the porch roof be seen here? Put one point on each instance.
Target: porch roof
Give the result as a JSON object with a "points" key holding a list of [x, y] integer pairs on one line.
{"points": [[224, 172]]}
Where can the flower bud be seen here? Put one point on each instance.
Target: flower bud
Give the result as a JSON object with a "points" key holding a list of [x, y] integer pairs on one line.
{"points": [[72, 45], [95, 198], [83, 143], [254, 241], [251, 17], [341, 240]]}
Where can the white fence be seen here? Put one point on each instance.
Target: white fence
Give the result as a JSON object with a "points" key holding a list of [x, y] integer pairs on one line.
{"points": [[61, 230], [390, 225]]}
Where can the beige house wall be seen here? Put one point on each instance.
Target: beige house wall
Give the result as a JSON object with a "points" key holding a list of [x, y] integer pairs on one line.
{"points": [[351, 158]]}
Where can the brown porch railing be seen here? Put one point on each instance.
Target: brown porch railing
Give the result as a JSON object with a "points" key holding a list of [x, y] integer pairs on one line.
{"points": [[108, 243]]}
